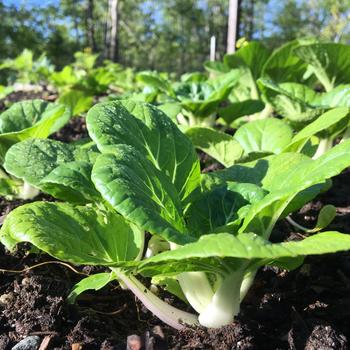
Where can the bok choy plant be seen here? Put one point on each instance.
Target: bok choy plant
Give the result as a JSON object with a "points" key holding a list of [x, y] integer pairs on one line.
{"points": [[260, 138], [211, 232], [24, 120]]}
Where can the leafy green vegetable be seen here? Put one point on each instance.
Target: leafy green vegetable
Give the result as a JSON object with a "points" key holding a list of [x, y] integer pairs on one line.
{"points": [[254, 55], [77, 101], [82, 235], [216, 225], [328, 61], [96, 282], [60, 169], [197, 256], [218, 145], [29, 119], [201, 99], [152, 133], [284, 65], [266, 135], [140, 192], [239, 109]]}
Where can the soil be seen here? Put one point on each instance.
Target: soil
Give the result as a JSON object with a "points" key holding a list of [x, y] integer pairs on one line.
{"points": [[308, 308], [16, 96]]}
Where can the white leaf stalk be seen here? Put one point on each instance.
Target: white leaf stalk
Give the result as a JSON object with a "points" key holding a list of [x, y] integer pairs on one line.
{"points": [[168, 314], [324, 145], [225, 304], [216, 308], [197, 289], [155, 246], [28, 191]]}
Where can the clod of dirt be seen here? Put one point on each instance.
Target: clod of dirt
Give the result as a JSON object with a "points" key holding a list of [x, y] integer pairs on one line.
{"points": [[326, 337], [155, 339], [235, 336], [4, 341]]}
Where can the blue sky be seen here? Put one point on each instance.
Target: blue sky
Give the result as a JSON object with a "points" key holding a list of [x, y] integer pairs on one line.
{"points": [[30, 3]]}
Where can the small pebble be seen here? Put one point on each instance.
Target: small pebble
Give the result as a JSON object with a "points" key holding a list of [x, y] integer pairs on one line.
{"points": [[25, 281], [77, 346], [29, 343], [6, 298], [134, 342]]}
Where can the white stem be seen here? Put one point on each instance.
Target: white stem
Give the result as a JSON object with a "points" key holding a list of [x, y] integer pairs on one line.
{"points": [[197, 289], [346, 135], [155, 245], [181, 119], [165, 312], [28, 191], [265, 113], [323, 147], [195, 286], [247, 282], [225, 303]]}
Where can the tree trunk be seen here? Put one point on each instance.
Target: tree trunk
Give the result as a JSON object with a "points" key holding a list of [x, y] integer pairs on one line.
{"points": [[233, 25], [76, 29], [111, 44], [89, 24]]}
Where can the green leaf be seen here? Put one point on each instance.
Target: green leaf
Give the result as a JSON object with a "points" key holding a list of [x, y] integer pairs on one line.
{"points": [[171, 109], [329, 62], [284, 65], [220, 207], [337, 97], [95, 282], [29, 119], [216, 67], [65, 77], [5, 90], [261, 172], [265, 135], [49, 166], [140, 192], [216, 144], [8, 187], [325, 217], [171, 285], [240, 109], [152, 133], [254, 55], [71, 181], [253, 173], [288, 184], [291, 100], [193, 77], [154, 80], [203, 99], [80, 235], [332, 122], [201, 255], [77, 101]]}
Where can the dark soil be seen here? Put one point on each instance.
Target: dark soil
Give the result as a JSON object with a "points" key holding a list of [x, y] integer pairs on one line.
{"points": [[308, 308], [74, 130], [26, 95]]}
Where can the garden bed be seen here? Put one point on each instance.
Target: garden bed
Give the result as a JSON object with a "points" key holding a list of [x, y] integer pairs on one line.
{"points": [[140, 177], [306, 308]]}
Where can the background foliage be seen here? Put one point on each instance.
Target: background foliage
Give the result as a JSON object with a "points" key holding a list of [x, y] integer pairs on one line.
{"points": [[168, 35]]}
